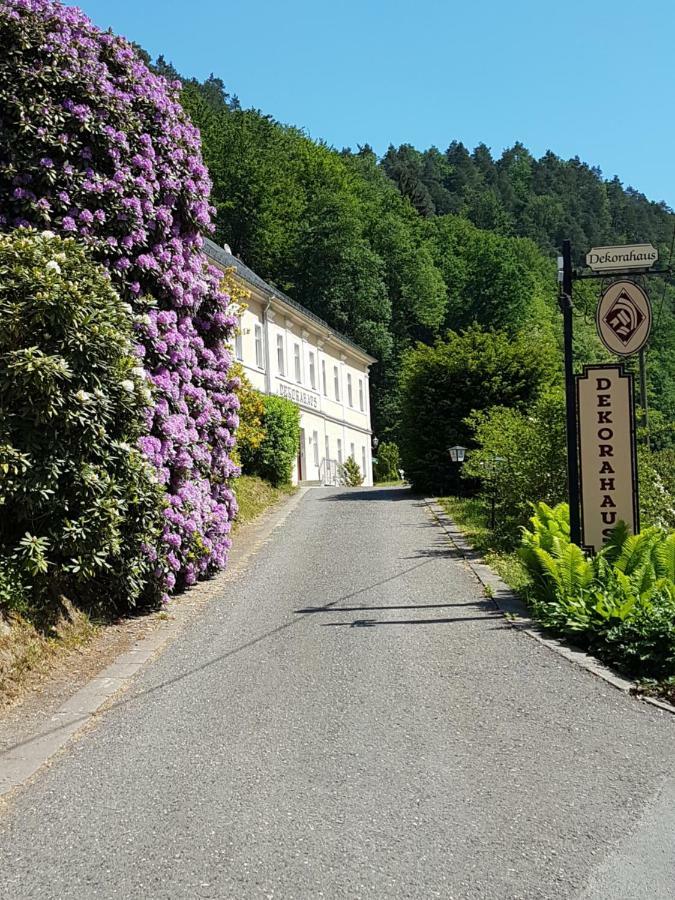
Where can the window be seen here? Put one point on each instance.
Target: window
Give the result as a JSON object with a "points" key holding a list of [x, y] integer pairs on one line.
{"points": [[315, 441], [280, 354], [352, 452], [336, 381], [361, 394], [339, 440], [258, 347], [350, 398], [323, 377], [312, 371], [363, 461], [296, 357], [327, 447], [238, 349]]}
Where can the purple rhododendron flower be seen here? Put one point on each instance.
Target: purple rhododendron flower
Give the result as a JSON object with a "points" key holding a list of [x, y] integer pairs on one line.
{"points": [[117, 164]]}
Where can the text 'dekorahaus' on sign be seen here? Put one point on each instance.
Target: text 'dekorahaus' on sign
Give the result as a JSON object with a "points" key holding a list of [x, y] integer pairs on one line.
{"points": [[606, 453]]}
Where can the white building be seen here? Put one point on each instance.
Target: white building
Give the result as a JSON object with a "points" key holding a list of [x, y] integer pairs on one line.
{"points": [[287, 350]]}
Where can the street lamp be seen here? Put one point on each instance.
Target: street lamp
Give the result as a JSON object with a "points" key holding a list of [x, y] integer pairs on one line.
{"points": [[457, 454], [375, 442]]}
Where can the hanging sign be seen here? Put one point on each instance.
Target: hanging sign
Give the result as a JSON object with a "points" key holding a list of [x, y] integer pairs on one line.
{"points": [[624, 318], [620, 258], [608, 473]]}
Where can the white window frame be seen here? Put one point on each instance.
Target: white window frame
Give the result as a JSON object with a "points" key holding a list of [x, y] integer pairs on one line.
{"points": [[324, 381], [312, 370], [297, 363], [238, 344], [281, 362], [352, 451], [361, 406], [259, 349], [315, 441], [336, 382], [350, 393], [327, 443], [363, 460], [339, 450]]}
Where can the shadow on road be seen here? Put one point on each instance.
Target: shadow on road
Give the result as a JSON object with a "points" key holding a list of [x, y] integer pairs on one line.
{"points": [[372, 623], [392, 493], [481, 604], [216, 659]]}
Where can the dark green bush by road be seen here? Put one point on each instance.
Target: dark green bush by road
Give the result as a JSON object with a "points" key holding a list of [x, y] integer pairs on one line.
{"points": [[80, 509]]}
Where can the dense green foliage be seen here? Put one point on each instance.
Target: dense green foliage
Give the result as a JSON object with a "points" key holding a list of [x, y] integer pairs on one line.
{"points": [[387, 463], [399, 250], [80, 507], [620, 604], [441, 385], [273, 459], [530, 449], [251, 430]]}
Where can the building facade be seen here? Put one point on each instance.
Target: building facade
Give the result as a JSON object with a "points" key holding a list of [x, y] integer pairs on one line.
{"points": [[287, 350]]}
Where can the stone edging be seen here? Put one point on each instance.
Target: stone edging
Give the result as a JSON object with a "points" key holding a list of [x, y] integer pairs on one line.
{"points": [[22, 761], [518, 614]]}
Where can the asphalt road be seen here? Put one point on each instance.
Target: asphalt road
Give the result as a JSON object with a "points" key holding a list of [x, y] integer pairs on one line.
{"points": [[352, 719]]}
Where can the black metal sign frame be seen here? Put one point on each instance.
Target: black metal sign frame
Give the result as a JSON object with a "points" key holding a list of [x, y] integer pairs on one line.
{"points": [[569, 276]]}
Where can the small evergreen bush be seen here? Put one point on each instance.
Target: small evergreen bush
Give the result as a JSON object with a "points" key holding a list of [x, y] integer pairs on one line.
{"points": [[350, 472], [81, 512]]}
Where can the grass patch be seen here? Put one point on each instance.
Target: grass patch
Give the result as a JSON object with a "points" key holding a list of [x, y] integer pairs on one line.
{"points": [[254, 496], [395, 482], [472, 516], [29, 648]]}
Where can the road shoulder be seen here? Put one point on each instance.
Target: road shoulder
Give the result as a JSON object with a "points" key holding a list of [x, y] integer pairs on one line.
{"points": [[32, 732]]}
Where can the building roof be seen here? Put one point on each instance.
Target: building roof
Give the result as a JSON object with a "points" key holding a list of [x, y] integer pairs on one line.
{"points": [[229, 260]]}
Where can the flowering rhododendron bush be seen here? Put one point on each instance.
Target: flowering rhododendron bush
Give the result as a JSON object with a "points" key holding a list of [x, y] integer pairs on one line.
{"points": [[80, 506], [95, 146]]}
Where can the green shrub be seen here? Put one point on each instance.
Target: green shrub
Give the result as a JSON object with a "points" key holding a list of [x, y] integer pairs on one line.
{"points": [[532, 449], [387, 463], [251, 431], [81, 512], [656, 474], [350, 473], [620, 603], [273, 459], [442, 385]]}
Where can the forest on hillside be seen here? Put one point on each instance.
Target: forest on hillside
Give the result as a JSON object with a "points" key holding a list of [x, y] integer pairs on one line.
{"points": [[405, 248]]}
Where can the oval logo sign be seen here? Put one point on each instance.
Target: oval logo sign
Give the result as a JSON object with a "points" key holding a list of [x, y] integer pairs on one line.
{"points": [[624, 318]]}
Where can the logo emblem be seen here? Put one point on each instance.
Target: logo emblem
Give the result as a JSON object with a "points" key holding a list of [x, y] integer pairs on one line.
{"points": [[624, 318]]}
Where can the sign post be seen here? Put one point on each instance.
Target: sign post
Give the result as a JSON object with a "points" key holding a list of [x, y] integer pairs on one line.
{"points": [[570, 395], [607, 455]]}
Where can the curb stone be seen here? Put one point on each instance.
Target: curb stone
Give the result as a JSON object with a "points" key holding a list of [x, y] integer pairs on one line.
{"points": [[21, 761], [518, 615]]}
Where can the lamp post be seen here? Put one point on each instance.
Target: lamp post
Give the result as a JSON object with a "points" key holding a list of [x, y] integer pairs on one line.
{"points": [[457, 454], [375, 443], [492, 465]]}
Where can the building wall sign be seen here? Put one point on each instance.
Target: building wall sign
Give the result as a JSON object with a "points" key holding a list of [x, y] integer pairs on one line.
{"points": [[624, 318], [617, 259], [303, 398], [608, 472]]}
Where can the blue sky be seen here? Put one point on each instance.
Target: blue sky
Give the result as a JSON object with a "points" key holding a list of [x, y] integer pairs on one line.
{"points": [[594, 79]]}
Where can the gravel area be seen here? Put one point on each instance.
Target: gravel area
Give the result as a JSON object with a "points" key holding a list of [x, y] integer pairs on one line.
{"points": [[349, 718]]}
